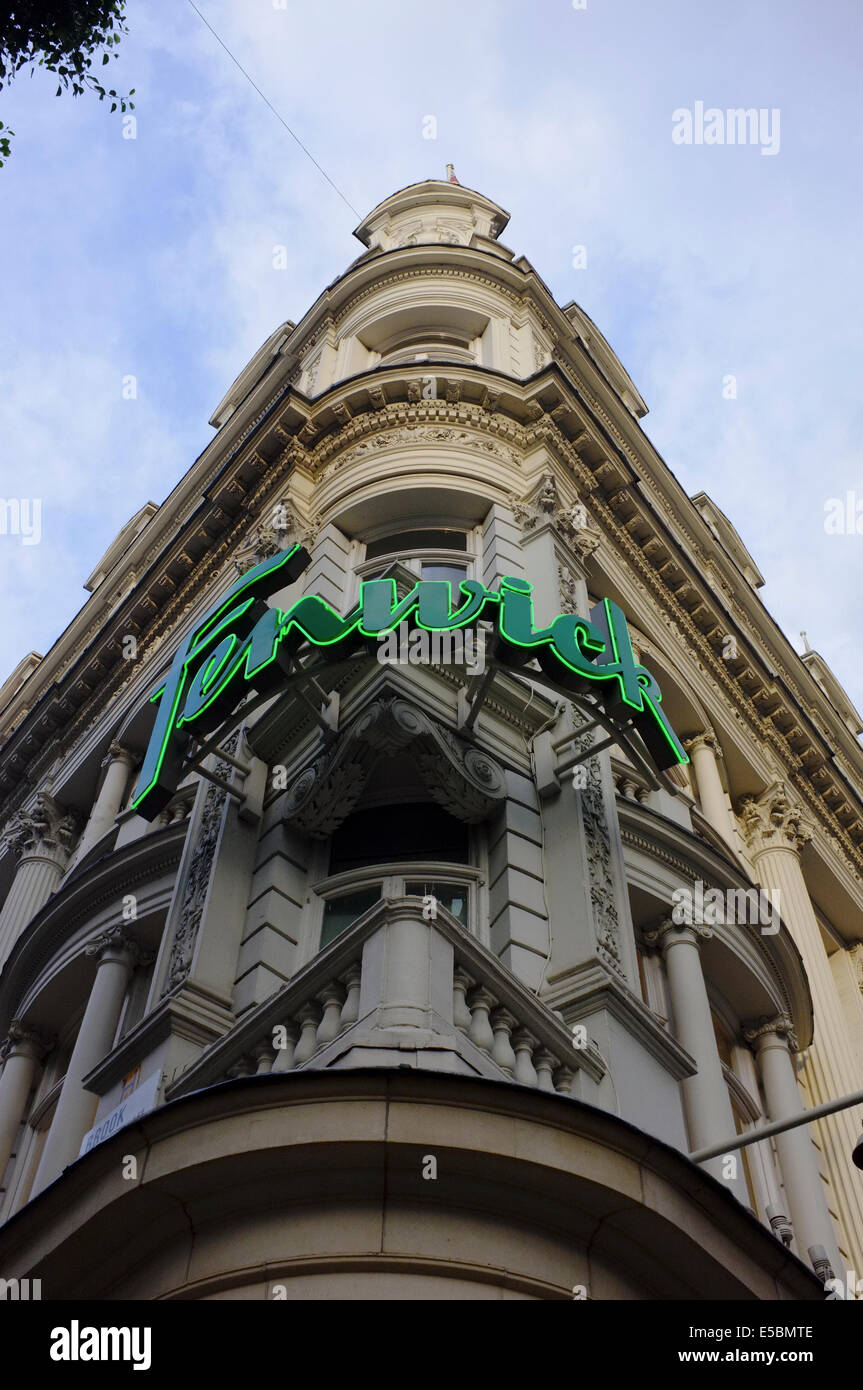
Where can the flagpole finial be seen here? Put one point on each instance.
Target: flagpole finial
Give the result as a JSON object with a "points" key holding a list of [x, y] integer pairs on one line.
{"points": [[450, 173]]}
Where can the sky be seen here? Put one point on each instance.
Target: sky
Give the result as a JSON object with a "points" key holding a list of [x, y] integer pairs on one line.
{"points": [[726, 277]]}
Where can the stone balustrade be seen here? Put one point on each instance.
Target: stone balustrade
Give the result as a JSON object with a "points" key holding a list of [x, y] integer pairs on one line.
{"points": [[395, 985]]}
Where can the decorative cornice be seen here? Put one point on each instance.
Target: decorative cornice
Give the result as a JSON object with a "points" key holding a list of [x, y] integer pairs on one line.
{"points": [[434, 272], [426, 422]]}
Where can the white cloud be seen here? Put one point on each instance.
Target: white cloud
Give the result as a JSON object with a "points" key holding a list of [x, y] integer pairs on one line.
{"points": [[701, 261]]}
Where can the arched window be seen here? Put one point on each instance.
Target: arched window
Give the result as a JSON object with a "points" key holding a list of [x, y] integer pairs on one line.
{"points": [[412, 849], [425, 346], [429, 553]]}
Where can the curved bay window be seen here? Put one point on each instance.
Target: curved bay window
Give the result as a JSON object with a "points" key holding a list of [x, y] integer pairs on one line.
{"points": [[411, 346], [414, 850]]}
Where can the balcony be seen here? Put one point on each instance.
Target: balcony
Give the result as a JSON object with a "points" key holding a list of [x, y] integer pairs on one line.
{"points": [[402, 989]]}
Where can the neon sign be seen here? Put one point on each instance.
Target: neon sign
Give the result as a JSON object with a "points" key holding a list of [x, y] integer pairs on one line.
{"points": [[243, 643]]}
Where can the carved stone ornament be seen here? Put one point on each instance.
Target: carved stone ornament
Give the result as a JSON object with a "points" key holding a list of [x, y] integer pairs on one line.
{"points": [[598, 848], [23, 1037], [781, 1024], [447, 435], [705, 738], [461, 778], [198, 877], [773, 820], [118, 940], [567, 586], [276, 530], [545, 506], [658, 934], [47, 829]]}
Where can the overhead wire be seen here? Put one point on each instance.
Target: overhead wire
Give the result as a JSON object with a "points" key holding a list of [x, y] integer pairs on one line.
{"points": [[277, 114]]}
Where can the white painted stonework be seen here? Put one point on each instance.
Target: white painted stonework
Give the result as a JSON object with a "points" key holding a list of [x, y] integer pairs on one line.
{"points": [[402, 911]]}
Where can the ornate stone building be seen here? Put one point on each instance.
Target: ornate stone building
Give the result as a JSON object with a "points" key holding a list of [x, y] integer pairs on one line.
{"points": [[389, 992]]}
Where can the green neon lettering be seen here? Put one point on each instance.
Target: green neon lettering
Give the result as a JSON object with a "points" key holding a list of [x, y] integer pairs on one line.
{"points": [[381, 608], [242, 634], [435, 608], [618, 659], [161, 768]]}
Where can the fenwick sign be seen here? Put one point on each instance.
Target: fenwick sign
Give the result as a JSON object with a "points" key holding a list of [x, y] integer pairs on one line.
{"points": [[243, 644]]}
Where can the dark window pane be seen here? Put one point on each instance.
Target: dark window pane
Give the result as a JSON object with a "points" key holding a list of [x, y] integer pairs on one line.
{"points": [[450, 895], [339, 913], [401, 542], [455, 573], [380, 834]]}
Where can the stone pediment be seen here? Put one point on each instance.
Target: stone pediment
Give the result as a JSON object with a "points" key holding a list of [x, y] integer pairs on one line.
{"points": [[466, 782]]}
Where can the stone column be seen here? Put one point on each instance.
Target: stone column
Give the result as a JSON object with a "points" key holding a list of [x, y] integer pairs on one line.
{"points": [[774, 1042], [407, 972], [23, 1051], [709, 1116], [776, 831], [703, 749], [117, 766], [117, 954], [42, 838]]}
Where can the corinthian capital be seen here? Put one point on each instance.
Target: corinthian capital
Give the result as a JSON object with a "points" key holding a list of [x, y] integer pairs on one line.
{"points": [[781, 1025], [23, 1038], [118, 753], [705, 739], [663, 933], [773, 820], [115, 943], [47, 829]]}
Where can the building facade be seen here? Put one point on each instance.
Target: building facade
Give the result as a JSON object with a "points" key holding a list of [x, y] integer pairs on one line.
{"points": [[409, 971]]}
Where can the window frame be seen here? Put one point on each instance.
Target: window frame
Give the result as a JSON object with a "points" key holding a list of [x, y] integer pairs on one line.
{"points": [[392, 877], [414, 561]]}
